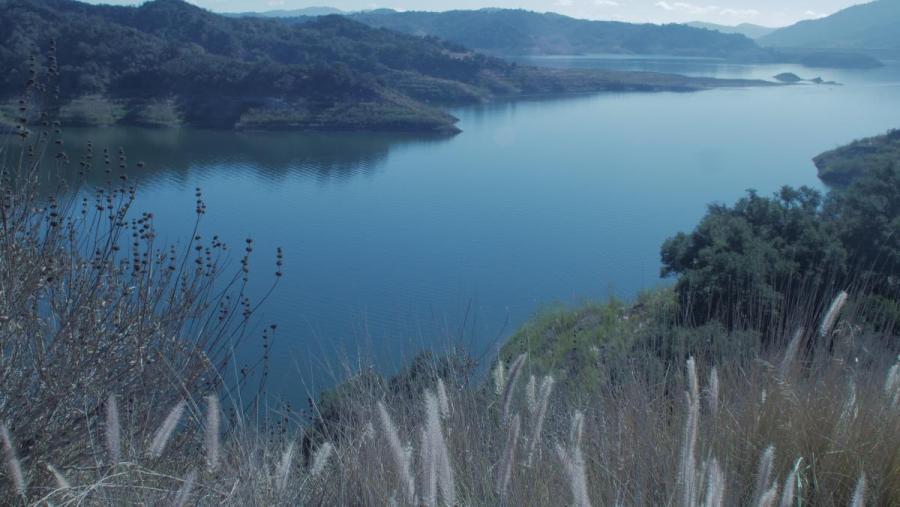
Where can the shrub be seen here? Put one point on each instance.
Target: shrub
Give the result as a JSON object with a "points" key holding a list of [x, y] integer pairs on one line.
{"points": [[93, 308]]}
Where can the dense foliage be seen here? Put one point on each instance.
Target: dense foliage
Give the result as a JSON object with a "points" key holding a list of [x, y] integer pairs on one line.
{"points": [[843, 165], [747, 261], [167, 62], [220, 68], [867, 216]]}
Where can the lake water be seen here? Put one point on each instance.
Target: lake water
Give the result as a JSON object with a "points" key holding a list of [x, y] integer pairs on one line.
{"points": [[398, 243]]}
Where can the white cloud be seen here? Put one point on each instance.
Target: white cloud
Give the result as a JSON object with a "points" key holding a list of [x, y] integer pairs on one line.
{"points": [[740, 13], [606, 3], [702, 10], [686, 7]]}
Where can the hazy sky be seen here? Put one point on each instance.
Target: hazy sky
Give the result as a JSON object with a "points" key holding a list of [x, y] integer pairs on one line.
{"points": [[764, 12]]}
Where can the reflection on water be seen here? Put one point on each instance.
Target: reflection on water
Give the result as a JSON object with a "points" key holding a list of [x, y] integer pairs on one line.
{"points": [[183, 154]]}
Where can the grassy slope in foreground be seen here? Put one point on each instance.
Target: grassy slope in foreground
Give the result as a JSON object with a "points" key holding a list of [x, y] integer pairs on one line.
{"points": [[842, 165], [168, 63]]}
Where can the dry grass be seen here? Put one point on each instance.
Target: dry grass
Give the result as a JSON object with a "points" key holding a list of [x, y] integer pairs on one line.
{"points": [[804, 439]]}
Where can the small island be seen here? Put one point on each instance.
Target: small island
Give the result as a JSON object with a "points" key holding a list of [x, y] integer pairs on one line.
{"points": [[791, 78]]}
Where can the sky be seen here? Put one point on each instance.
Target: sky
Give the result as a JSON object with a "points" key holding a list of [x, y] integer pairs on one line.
{"points": [[730, 12]]}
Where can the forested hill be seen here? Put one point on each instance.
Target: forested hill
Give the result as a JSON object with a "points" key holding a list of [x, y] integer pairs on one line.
{"points": [[168, 62], [508, 31]]}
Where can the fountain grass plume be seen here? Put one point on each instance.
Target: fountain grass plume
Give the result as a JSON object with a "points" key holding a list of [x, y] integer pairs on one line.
{"points": [[113, 430], [213, 421], [892, 385], [687, 471], [576, 430], [320, 459], [715, 485], [712, 393], [769, 497], [509, 456], [764, 476], [283, 472], [166, 429], [790, 486], [399, 453], [437, 455], [791, 354], [832, 314], [61, 482], [499, 375], [859, 492], [693, 380], [572, 460], [514, 371], [531, 395], [13, 466], [443, 399], [428, 464], [534, 445], [184, 493]]}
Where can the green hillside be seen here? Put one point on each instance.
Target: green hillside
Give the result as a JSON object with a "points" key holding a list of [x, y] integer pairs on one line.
{"points": [[170, 63]]}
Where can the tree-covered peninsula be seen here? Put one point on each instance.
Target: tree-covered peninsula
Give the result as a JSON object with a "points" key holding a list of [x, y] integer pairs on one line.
{"points": [[168, 63], [848, 163]]}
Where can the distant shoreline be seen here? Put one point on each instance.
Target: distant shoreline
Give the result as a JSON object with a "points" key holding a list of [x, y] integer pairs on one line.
{"points": [[277, 113]]}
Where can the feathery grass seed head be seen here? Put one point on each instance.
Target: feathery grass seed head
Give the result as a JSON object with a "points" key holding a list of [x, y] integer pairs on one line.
{"points": [[13, 466], [113, 430], [184, 493], [514, 371], [764, 475], [166, 429], [320, 459], [402, 458], [213, 414], [509, 456], [832, 314], [859, 492]]}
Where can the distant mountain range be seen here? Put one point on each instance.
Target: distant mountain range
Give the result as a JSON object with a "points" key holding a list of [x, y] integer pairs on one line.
{"points": [[293, 13], [746, 29], [507, 32], [869, 26], [168, 62], [518, 32], [521, 32]]}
